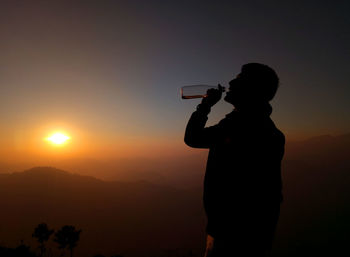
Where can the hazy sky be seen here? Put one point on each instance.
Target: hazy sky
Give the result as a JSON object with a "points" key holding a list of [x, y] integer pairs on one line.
{"points": [[109, 72]]}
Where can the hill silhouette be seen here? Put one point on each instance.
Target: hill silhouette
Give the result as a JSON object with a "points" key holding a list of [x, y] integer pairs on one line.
{"points": [[133, 218], [182, 172]]}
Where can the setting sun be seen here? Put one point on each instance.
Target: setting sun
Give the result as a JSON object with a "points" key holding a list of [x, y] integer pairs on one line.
{"points": [[58, 138]]}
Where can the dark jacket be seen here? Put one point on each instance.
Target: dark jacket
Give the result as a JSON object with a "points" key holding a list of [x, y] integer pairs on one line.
{"points": [[243, 174]]}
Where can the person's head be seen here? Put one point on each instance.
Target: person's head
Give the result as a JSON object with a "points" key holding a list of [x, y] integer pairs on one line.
{"points": [[256, 84]]}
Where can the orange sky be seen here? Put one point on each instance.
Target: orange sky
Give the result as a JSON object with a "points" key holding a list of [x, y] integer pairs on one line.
{"points": [[29, 144]]}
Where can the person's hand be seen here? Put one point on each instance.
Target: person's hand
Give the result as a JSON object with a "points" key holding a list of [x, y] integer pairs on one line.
{"points": [[213, 96]]}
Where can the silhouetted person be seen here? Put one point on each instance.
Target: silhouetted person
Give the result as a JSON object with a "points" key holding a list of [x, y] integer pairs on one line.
{"points": [[242, 185]]}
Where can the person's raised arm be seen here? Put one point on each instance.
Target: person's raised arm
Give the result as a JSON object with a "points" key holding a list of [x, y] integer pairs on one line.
{"points": [[196, 135]]}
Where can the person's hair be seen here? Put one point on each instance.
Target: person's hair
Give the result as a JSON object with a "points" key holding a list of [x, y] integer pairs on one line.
{"points": [[262, 78]]}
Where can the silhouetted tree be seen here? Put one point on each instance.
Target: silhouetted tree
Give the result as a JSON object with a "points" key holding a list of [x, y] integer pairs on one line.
{"points": [[67, 237], [42, 233]]}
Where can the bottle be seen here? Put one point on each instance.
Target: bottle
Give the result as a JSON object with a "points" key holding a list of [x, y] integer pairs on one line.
{"points": [[196, 91]]}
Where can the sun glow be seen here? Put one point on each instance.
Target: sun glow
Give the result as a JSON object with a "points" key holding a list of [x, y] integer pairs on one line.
{"points": [[58, 138]]}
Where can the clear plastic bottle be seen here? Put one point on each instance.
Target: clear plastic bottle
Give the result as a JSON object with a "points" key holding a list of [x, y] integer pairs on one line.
{"points": [[196, 91]]}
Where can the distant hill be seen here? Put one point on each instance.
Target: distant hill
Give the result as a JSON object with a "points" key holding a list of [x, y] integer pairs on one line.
{"points": [[115, 217], [182, 172]]}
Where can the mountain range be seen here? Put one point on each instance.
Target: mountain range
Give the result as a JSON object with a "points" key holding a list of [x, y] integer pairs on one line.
{"points": [[128, 217]]}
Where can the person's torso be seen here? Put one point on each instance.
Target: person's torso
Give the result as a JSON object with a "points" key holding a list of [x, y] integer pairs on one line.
{"points": [[244, 162]]}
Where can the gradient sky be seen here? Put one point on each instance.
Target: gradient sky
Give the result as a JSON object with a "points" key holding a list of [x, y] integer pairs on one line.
{"points": [[109, 72]]}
